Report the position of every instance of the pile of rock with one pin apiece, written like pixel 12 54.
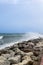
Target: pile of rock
pixel 24 53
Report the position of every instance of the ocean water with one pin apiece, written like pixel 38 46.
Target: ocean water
pixel 10 39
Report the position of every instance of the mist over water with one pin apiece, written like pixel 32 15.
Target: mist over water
pixel 10 39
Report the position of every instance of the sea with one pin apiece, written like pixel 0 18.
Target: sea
pixel 8 39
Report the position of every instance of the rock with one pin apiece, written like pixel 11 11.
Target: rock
pixel 27 61
pixel 30 43
pixel 15 46
pixel 35 58
pixel 6 55
pixel 7 48
pixel 19 52
pixel 40 44
pixel 29 54
pixel 20 45
pixel 11 52
pixel 28 58
pixel 0 53
pixel 15 60
pixel 24 53
pixel 36 40
pixel 3 61
pixel 3 51
pixel 27 47
pixel 36 50
pixel 36 63
pixel 2 58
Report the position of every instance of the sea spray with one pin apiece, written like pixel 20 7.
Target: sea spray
pixel 10 39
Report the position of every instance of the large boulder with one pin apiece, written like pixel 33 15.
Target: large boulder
pixel 27 60
pixel 15 60
pixel 27 47
pixel 19 52
pixel 4 61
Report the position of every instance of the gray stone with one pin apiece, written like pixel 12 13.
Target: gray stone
pixel 4 61
pixel 6 55
pixel 19 52
pixel 15 60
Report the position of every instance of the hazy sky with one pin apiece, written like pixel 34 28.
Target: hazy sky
pixel 21 16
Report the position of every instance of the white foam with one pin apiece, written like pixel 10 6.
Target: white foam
pixel 1 37
pixel 31 35
pixel 7 45
pixel 26 37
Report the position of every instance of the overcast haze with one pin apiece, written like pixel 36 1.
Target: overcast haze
pixel 21 16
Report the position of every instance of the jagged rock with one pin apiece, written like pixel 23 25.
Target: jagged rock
pixel 3 61
pixel 26 47
pixel 23 53
pixel 15 60
pixel 27 61
pixel 19 52
pixel 11 52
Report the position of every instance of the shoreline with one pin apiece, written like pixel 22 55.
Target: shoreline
pixel 22 53
pixel 21 41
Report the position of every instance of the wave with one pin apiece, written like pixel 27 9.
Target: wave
pixel 31 35
pixel 1 37
pixel 25 37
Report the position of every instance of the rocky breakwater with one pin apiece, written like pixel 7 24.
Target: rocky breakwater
pixel 24 53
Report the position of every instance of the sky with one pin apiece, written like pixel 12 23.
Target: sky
pixel 19 16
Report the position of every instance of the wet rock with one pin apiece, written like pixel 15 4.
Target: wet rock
pixel 36 40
